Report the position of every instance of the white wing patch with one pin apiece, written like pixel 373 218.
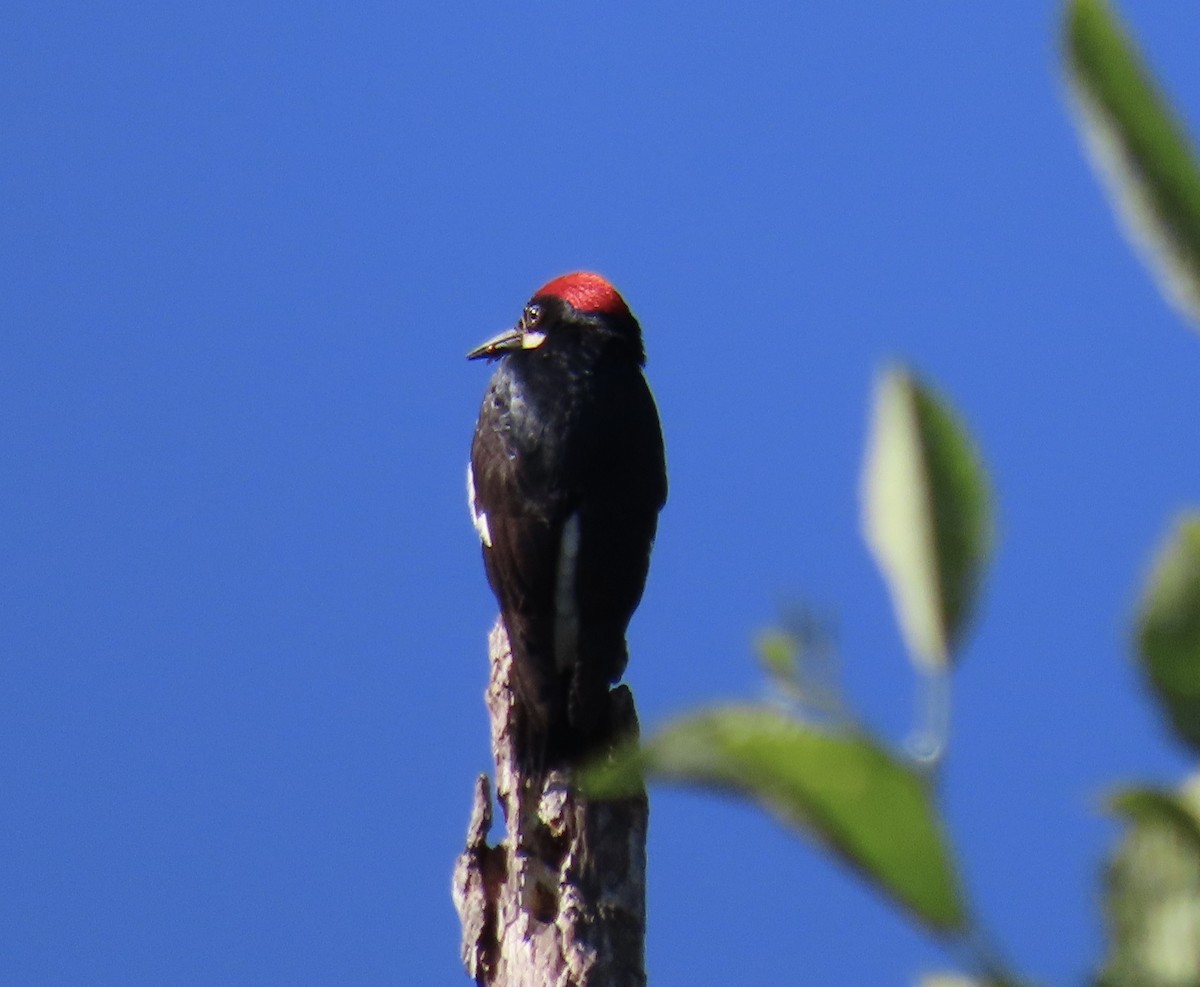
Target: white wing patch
pixel 478 517
pixel 566 610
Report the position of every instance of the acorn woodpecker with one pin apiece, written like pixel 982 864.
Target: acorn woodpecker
pixel 566 480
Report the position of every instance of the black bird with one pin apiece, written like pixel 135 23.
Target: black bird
pixel 566 480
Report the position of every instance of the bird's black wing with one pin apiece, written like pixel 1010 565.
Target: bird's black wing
pixel 520 520
pixel 618 516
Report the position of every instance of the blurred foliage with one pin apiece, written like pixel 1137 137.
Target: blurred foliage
pixel 1138 147
pixel 926 514
pixel 800 658
pixel 840 787
pixel 1168 633
pixel 1152 891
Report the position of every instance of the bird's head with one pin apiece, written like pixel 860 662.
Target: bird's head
pixel 564 309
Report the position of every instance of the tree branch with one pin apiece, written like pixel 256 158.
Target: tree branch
pixel 560 901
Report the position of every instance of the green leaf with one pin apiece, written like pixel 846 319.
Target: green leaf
pixel 841 788
pixel 1152 891
pixel 1154 805
pixel 1168 633
pixel 1138 147
pixel 801 659
pixel 926 514
pixel 779 653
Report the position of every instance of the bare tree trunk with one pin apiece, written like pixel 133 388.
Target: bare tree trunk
pixel 561 900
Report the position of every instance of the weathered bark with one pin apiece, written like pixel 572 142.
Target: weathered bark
pixel 560 901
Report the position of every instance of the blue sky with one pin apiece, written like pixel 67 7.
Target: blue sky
pixel 242 615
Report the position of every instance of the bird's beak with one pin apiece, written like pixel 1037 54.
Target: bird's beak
pixel 511 339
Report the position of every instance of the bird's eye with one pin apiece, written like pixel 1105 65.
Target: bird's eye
pixel 531 317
